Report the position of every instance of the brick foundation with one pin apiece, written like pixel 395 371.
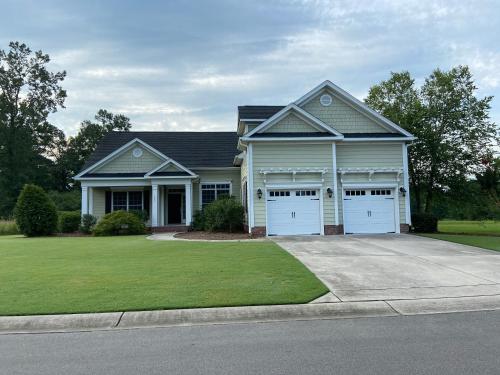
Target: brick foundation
pixel 404 228
pixel 334 229
pixel 170 229
pixel 258 231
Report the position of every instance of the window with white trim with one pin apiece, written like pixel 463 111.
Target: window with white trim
pixel 210 192
pixel 128 200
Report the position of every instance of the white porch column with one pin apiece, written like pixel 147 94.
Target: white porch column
pixel 189 203
pixel 154 205
pixel 85 200
pixel 91 200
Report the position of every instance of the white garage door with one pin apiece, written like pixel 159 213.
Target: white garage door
pixel 293 212
pixel 369 211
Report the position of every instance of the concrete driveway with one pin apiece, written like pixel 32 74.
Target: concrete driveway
pixel 397 267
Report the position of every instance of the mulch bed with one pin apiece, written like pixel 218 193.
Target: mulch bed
pixel 220 236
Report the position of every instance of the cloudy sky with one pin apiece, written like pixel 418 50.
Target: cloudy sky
pixel 187 65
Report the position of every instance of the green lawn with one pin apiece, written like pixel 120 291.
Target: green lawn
pixel 91 274
pixel 491 228
pixel 486 242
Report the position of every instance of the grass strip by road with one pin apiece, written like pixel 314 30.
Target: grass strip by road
pixel 485 228
pixel 75 275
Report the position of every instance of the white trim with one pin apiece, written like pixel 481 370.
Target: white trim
pixel 91 200
pixel 188 193
pixel 384 139
pixel 353 102
pixel 362 185
pixel 335 183
pixel 303 115
pixel 291 139
pixel 321 213
pixel 406 184
pixel 214 168
pixel 154 178
pixel 298 185
pixel 85 202
pixel 251 218
pixel 164 164
pixel 154 205
pixel 253 119
pixel 115 153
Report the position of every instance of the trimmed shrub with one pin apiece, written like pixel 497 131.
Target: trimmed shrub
pixel 69 221
pixel 424 223
pixel 224 215
pixel 88 223
pixel 199 220
pixel 141 214
pixel 8 227
pixel 119 223
pixel 35 213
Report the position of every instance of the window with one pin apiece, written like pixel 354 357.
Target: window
pixel 301 193
pixel 127 200
pixel 276 193
pixel 381 192
pixel 210 192
pixel 351 193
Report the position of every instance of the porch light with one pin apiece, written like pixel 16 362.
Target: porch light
pixel 402 190
pixel 329 191
pixel 259 193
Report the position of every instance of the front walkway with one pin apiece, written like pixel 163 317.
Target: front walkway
pixel 397 267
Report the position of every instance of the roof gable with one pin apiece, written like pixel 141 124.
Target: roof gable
pixel 170 168
pixel 349 102
pixel 291 123
pixel 297 113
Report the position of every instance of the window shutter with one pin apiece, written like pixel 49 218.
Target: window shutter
pixel 146 201
pixel 108 202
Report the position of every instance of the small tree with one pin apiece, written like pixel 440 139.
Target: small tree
pixel 35 213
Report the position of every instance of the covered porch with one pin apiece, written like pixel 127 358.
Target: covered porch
pixel 167 201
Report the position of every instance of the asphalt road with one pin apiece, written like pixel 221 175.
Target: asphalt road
pixel 462 343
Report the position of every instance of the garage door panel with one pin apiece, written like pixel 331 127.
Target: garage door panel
pixel 369 211
pixel 294 213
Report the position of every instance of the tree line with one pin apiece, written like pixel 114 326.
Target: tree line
pixel 452 160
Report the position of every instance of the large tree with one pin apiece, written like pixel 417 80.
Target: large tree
pixel 78 148
pixel 452 125
pixel 29 92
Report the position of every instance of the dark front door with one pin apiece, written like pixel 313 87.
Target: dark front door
pixel 174 209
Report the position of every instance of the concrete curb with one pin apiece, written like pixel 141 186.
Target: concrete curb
pixel 244 314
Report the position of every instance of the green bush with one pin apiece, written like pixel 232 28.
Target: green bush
pixel 88 223
pixel 224 215
pixel 424 223
pixel 141 214
pixel 69 221
pixel 35 213
pixel 119 223
pixel 199 220
pixel 67 200
pixel 8 227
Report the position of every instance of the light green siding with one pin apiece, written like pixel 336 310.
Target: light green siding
pixel 170 168
pixel 342 116
pixel 99 206
pixel 291 124
pixel 222 175
pixel 361 155
pixel 292 156
pixel 366 155
pixel 126 162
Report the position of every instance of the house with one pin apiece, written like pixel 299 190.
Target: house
pixel 324 164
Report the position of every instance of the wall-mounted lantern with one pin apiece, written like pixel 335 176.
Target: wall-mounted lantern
pixel 259 193
pixel 402 190
pixel 329 191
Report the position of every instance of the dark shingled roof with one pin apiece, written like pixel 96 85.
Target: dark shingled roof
pixel 170 174
pixel 258 111
pixel 191 149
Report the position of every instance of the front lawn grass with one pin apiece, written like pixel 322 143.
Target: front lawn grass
pixel 489 227
pixel 486 242
pixel 75 275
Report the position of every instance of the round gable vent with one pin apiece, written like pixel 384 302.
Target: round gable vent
pixel 137 152
pixel 325 100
